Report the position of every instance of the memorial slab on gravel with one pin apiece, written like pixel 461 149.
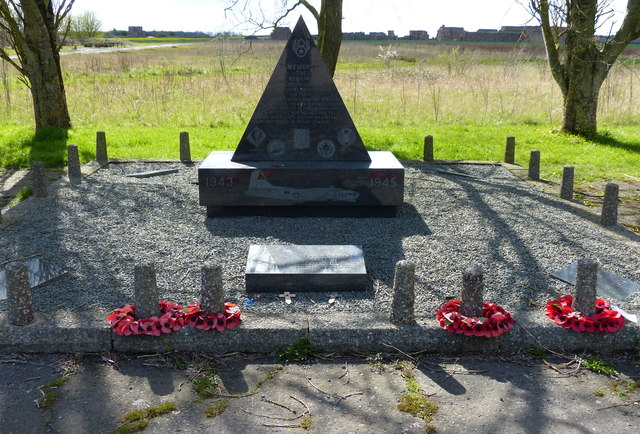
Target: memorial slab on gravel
pixel 305 268
pixel 39 270
pixel 607 284
pixel 301 153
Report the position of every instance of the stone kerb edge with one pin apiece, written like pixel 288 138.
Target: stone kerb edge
pixel 333 333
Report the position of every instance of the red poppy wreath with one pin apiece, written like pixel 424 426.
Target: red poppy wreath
pixel 494 322
pixel 228 319
pixel 604 319
pixel 124 322
pixel 173 317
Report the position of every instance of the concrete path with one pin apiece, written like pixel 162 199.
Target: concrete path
pixel 477 394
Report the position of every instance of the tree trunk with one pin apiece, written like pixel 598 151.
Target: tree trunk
pixel 584 79
pixel 584 71
pixel 330 32
pixel 41 65
pixel 581 65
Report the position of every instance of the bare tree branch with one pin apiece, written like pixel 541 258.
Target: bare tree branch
pixel 629 31
pixel 541 7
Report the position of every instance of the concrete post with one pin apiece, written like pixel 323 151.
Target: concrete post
pixel 38 179
pixel 145 291
pixel 428 149
pixel 73 165
pixel 534 165
pixel 101 149
pixel 609 216
pixel 566 189
pixel 20 301
pixel 586 279
pixel 185 148
pixel 212 292
pixel 510 150
pixel 472 292
pixel 402 308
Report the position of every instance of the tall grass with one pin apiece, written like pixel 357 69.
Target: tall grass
pixel 469 97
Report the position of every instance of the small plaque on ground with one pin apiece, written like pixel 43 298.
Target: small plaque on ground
pixel 305 268
pixel 40 271
pixel 607 284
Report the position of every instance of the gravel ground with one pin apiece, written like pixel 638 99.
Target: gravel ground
pixel 517 234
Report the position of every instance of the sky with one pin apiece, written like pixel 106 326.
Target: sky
pixel 359 15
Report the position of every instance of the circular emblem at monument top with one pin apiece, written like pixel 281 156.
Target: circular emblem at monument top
pixel 301 47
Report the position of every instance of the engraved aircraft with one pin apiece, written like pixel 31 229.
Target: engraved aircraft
pixel 260 187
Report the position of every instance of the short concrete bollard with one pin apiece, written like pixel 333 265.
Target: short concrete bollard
pixel 586 279
pixel 19 296
pixel 212 292
pixel 185 147
pixel 145 291
pixel 101 149
pixel 534 165
pixel 510 150
pixel 402 308
pixel 472 295
pixel 427 154
pixel 73 165
pixel 566 188
pixel 39 180
pixel 609 216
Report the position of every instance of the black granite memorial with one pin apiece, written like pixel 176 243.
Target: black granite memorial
pixel 301 153
pixel 299 268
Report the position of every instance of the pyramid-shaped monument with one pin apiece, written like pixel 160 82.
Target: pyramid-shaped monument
pixel 301 116
pixel 301 154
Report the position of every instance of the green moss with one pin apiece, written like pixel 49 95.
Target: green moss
pixel 538 352
pixel 207 384
pixel 132 427
pixel 598 393
pixel 305 423
pixel 418 405
pixel 299 351
pixel 375 362
pixel 134 415
pixel 48 400
pixel 138 420
pixel 217 408
pixel 599 367
pixel 160 410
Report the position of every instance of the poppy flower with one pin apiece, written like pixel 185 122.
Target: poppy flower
pixel 220 322
pixel 603 320
pixel 493 323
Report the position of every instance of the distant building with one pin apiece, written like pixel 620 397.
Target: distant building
pixel 136 32
pixel 527 33
pixel 281 33
pixel 450 34
pixel 418 35
pixel 391 34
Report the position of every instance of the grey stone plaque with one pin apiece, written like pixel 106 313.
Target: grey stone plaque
pixel 608 284
pixel 40 272
pixel 305 268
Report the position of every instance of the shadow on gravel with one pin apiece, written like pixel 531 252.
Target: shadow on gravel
pixel 320 231
pixel 507 234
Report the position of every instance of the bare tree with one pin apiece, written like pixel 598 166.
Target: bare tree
pixel 32 28
pixel 328 18
pixel 582 63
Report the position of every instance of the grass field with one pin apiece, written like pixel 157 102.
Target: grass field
pixel 468 97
